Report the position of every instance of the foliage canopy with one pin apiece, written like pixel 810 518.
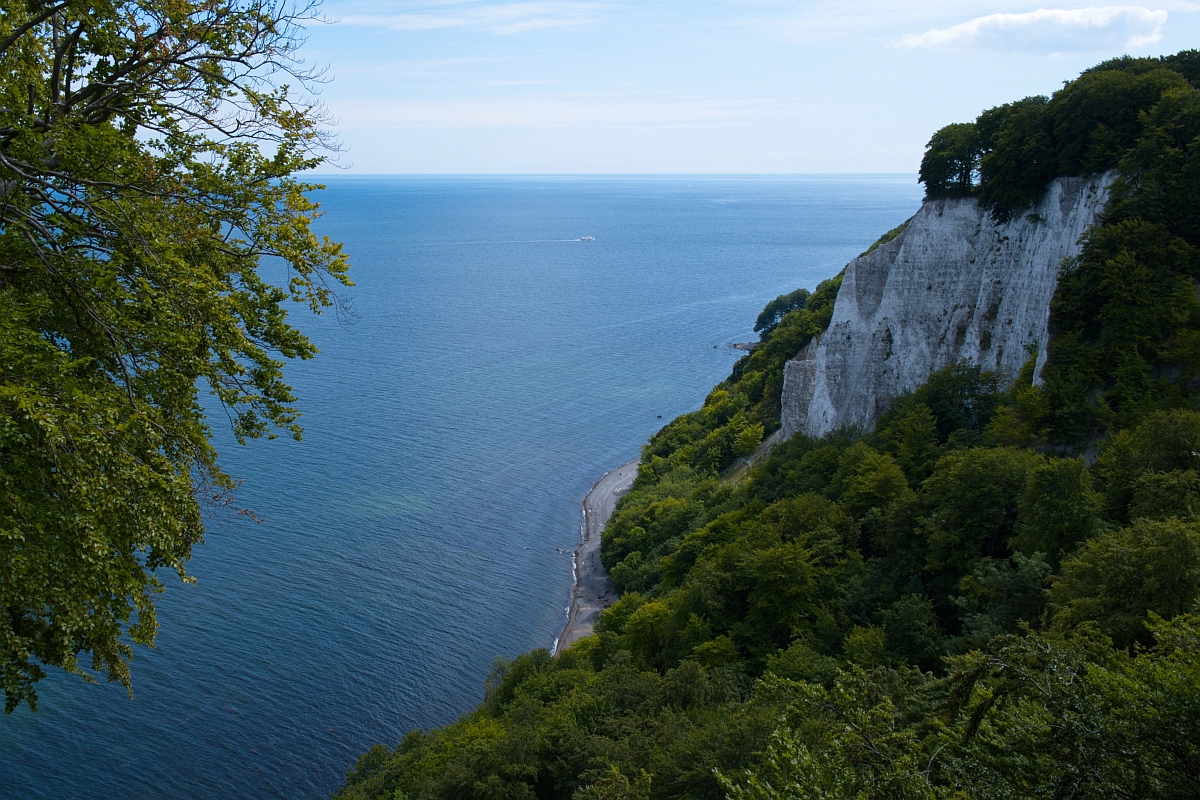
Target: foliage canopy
pixel 147 154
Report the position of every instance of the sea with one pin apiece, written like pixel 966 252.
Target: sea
pixel 508 340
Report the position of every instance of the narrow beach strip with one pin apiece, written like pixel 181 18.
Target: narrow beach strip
pixel 593 590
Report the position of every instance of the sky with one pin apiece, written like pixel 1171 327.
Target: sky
pixel 696 86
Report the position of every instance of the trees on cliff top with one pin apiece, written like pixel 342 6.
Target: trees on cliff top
pixel 1126 316
pixel 1010 152
pixel 147 154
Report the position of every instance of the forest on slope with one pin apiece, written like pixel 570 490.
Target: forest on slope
pixel 993 593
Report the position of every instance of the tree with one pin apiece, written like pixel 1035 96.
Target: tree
pixel 1121 577
pixel 777 309
pixel 950 167
pixel 1097 117
pixel 1020 160
pixel 147 154
pixel 848 741
pixel 972 496
pixel 1058 511
pixel 1001 595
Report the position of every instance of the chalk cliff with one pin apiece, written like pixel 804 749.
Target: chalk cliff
pixel 953 285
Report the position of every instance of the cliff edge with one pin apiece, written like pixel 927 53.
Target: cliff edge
pixel 954 285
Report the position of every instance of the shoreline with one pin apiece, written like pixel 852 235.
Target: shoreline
pixel 593 591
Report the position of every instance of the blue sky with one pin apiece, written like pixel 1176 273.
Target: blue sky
pixel 707 86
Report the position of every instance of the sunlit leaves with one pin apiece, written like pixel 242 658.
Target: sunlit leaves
pixel 146 160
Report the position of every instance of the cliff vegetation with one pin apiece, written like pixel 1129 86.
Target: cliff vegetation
pixel 1126 317
pixel 993 593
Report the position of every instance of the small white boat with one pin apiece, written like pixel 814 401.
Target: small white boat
pixel 587 238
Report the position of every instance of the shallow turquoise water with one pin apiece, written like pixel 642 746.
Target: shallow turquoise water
pixel 492 368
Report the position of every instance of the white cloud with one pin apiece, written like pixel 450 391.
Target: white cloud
pixel 500 18
pixel 1050 31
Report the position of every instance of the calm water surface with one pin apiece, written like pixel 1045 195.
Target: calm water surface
pixel 493 368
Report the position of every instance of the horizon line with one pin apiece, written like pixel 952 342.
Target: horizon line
pixel 608 174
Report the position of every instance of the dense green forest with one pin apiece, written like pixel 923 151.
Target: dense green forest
pixel 991 594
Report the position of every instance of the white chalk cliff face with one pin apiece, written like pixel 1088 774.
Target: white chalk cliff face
pixel 954 285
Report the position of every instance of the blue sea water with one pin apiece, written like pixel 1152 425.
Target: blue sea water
pixel 492 367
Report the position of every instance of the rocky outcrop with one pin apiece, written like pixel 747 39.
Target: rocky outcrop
pixel 954 285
